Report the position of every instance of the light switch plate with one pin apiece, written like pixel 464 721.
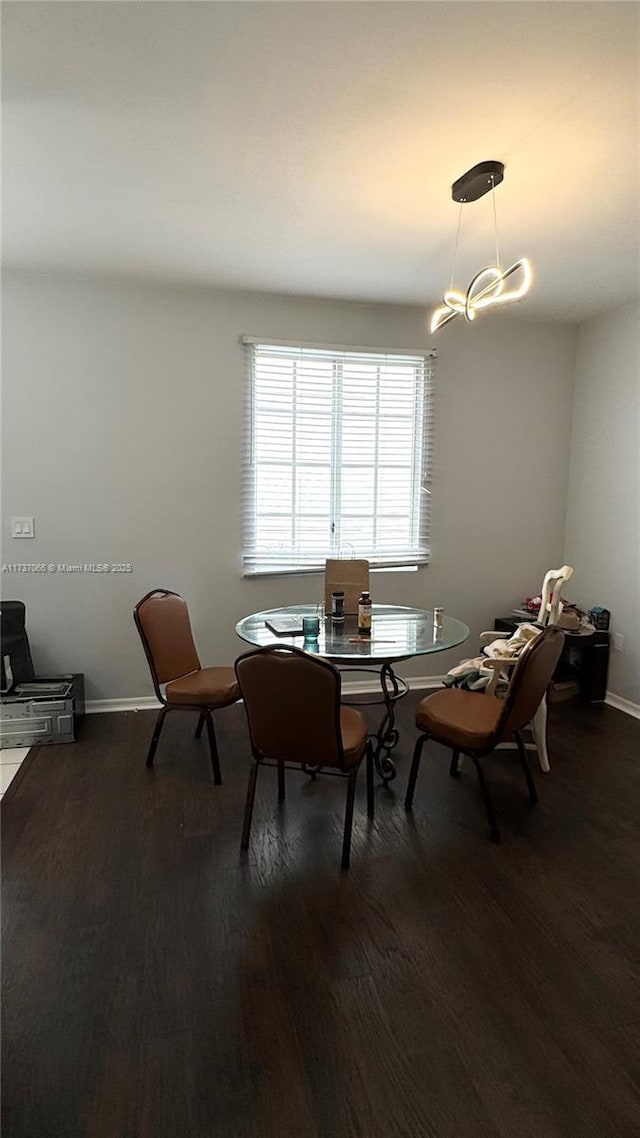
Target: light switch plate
pixel 22 527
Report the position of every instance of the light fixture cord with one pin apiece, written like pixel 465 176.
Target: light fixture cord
pixel 455 251
pixel 495 220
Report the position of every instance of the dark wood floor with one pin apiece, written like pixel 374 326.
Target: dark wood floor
pixel 157 985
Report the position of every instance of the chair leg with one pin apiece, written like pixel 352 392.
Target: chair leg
pixel 348 819
pixel 524 759
pixel 488 804
pixel 156 735
pixel 203 716
pixel 281 784
pixel 248 807
pixel 454 769
pixel 417 755
pixel 370 798
pixel 539 729
pixel 213 746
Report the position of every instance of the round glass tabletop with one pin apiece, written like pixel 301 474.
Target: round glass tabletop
pixel 397 633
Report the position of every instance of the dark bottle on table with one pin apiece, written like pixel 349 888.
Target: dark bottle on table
pixel 337 609
pixel 364 614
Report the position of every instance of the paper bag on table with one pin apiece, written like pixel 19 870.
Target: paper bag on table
pixel 349 574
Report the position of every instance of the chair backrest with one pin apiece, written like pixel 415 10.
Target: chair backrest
pixel 350 574
pixel 552 585
pixel 292 701
pixel 531 678
pixel 162 619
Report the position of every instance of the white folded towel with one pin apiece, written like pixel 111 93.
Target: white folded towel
pixel 474 674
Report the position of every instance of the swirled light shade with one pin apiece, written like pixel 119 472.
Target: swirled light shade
pixel 486 288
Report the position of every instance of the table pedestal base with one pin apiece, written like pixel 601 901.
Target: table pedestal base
pixel 385 739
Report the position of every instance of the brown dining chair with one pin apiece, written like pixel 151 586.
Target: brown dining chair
pixel 162 619
pixel 292 701
pixel 473 724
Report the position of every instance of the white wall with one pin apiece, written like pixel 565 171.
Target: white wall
pixel 603 505
pixel 122 433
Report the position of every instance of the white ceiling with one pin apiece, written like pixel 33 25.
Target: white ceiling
pixel 310 147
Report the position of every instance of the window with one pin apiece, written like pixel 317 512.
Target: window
pixel 337 459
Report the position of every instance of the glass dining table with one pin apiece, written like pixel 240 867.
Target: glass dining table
pixel 397 633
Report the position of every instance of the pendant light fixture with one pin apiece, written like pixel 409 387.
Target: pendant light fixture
pixel 488 286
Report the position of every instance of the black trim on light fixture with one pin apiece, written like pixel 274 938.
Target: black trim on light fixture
pixel 477 181
pixel 488 285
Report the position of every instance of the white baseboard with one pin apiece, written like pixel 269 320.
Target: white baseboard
pixel 416 683
pixel 150 703
pixel 142 703
pixel 622 704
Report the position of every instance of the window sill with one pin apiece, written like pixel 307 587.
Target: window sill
pixel 413 568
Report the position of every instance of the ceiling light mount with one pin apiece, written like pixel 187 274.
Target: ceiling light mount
pixel 477 181
pixel 488 285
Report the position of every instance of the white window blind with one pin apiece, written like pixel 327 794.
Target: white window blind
pixel 337 457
